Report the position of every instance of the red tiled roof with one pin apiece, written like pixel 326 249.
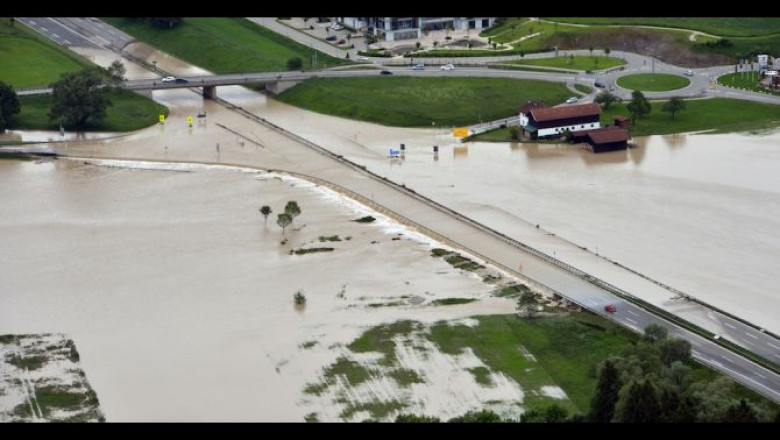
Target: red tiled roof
pixel 608 135
pixel 565 112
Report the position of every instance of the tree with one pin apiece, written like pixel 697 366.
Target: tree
pixel 607 51
pixel 165 22
pixel 602 407
pixel 484 416
pixel 11 20
pixel 740 413
pixel 655 333
pixel 674 105
pixel 283 220
pixel 675 350
pixel 638 107
pixel 528 302
pixel 292 209
pixel 266 211
pixel 117 72
pixel 413 418
pixel 591 50
pixel 299 298
pixel 417 45
pixel 514 133
pixel 606 99
pixel 294 63
pixel 435 43
pixel 9 105
pixel 638 404
pixel 80 97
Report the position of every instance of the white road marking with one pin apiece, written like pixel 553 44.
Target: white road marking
pixel 592 302
pixel 633 313
pixel 631 320
pixel 760 375
pixel 728 325
pixel 751 335
pixel 55 35
pixel 773 345
pixel 44 29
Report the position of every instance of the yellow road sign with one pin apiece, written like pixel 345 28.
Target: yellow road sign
pixel 189 120
pixel 460 132
pixel 162 119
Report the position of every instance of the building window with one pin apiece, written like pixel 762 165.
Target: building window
pixel 472 24
pixel 485 23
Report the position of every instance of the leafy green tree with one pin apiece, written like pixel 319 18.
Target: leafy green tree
pixel 299 298
pixel 283 220
pixel 484 416
pixel 607 51
pixel 514 133
pixel 606 99
pixel 740 412
pixel 655 333
pixel 591 50
pixel 638 404
pixel 602 407
pixel 294 63
pixel 9 105
pixel 528 302
pixel 292 209
pixel 165 22
pixel 674 105
pixel 80 98
pixel 266 211
pixel 413 418
pixel 675 350
pixel 638 107
pixel 116 72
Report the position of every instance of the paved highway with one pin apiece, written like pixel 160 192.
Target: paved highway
pixel 541 270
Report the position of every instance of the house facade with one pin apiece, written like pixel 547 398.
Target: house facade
pixel 541 122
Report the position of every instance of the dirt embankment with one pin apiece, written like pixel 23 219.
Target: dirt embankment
pixel 664 46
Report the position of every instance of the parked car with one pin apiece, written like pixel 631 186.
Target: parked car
pixel 385 72
pixel 168 79
pixel 336 26
pixel 181 81
pixel 610 308
pixel 331 38
pixel 342 41
pixel 447 67
pixel 362 58
pixel 572 100
pixel 688 73
pixel 599 84
pixel 418 67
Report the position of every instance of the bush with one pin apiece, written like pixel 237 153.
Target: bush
pixel 295 63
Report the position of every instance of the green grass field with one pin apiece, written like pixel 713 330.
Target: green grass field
pixel 129 111
pixel 718 114
pixel 647 82
pixel 417 102
pixel 576 63
pixel 721 26
pixel 29 60
pixel 224 45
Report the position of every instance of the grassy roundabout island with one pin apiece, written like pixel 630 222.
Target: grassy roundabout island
pixel 419 102
pixel 648 82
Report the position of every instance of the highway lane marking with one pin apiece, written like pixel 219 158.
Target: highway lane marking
pixel 760 375
pixel 633 313
pixel 773 345
pixel 631 320
pixel 44 29
pixel 592 302
pixel 751 335
pixel 745 377
pixel 728 325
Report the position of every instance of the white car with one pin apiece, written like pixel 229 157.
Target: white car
pixel 571 100
pixel 688 73
pixel 362 58
pixel 336 27
pixel 168 79
pixel 447 67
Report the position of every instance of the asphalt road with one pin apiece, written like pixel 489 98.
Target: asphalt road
pixel 541 271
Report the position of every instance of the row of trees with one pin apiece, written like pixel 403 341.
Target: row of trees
pixel 639 107
pixel 284 219
pixel 79 98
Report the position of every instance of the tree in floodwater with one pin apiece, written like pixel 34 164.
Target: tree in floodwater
pixel 283 220
pixel 292 209
pixel 266 211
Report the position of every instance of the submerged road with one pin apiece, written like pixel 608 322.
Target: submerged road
pixel 286 151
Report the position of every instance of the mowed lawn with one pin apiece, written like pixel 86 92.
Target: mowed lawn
pixel 129 111
pixel 719 114
pixel 647 82
pixel 576 63
pixel 721 26
pixel 27 60
pixel 225 44
pixel 421 102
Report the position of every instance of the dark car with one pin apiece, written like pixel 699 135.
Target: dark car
pixel 610 308
pixel 180 81
pixel 385 72
pixel 331 38
pixel 599 85
pixel 342 41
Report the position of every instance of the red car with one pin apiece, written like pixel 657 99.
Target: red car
pixel 610 308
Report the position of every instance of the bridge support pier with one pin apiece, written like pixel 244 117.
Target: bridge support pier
pixel 276 87
pixel 210 92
